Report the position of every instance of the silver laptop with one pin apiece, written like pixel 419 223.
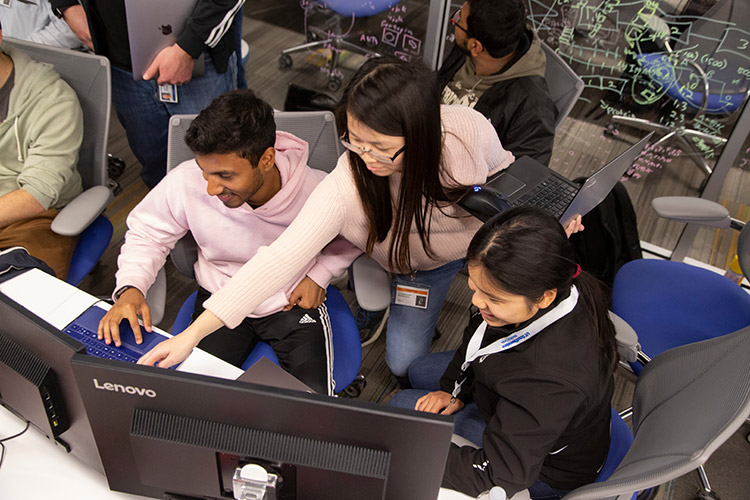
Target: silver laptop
pixel 529 183
pixel 154 25
pixel 266 372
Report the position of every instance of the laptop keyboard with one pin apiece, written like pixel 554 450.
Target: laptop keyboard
pixel 99 348
pixel 552 194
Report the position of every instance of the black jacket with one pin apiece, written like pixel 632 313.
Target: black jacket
pixel 207 29
pixel 545 394
pixel 519 108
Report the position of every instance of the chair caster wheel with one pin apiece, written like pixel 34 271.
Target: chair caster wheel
pixel 115 166
pixel 333 84
pixel 285 61
pixel 612 130
pixel 707 495
pixel 354 389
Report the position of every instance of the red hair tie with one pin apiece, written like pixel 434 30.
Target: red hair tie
pixel 578 271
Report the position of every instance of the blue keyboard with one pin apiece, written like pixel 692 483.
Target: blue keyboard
pixel 99 348
pixel 84 328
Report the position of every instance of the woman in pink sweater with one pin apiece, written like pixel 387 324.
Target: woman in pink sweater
pixel 393 195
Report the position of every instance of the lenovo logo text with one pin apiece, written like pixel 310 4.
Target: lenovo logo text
pixel 127 389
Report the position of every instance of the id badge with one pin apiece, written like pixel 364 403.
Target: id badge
pixel 412 295
pixel 168 93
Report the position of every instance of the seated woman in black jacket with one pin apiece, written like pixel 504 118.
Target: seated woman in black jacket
pixel 532 380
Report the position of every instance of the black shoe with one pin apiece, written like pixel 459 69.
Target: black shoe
pixel 370 324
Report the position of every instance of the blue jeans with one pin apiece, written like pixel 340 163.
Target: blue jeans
pixel 410 329
pixel 146 119
pixel 424 376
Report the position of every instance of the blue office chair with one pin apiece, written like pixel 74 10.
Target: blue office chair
pixel 89 76
pixel 670 304
pixel 346 346
pixel 620 440
pixel 333 35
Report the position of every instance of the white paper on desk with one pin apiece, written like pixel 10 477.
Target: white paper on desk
pixel 54 300
pixel 203 363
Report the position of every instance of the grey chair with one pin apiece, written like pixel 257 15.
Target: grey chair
pixel 89 76
pixel 687 402
pixel 564 85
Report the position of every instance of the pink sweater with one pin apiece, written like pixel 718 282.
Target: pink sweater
pixel 227 237
pixel 471 151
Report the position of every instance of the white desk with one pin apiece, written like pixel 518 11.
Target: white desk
pixel 36 468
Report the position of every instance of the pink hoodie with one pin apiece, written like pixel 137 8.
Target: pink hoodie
pixel 226 237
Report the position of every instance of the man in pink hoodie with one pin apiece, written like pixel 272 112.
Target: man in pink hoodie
pixel 246 185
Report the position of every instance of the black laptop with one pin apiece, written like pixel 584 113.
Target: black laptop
pixel 527 182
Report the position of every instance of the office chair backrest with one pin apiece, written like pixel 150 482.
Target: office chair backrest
pixel 317 128
pixel 565 86
pixel 89 76
pixel 687 402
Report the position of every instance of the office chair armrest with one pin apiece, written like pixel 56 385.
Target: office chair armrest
pixel 156 297
pixel 185 254
pixel 627 339
pixel 81 212
pixel 692 210
pixel 372 286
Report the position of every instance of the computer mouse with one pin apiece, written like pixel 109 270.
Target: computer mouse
pixel 484 202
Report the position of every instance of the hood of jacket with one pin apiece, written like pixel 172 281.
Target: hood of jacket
pixel 32 80
pixel 37 88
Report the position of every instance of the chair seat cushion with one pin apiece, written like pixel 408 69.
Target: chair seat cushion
pixel 671 304
pixel 676 81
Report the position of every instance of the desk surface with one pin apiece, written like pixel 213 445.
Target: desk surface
pixel 35 467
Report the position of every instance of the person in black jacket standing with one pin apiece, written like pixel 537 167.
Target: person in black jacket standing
pixel 497 67
pixel 144 106
pixel 532 381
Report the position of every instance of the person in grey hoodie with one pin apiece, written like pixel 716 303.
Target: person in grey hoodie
pixel 497 67
pixel 41 130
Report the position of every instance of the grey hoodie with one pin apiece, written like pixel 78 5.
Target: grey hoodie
pixel 41 136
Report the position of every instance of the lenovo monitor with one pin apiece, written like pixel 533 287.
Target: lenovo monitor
pixel 167 434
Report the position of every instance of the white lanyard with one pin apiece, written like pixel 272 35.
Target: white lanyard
pixel 473 351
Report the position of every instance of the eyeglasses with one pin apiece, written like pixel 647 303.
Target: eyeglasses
pixel 360 151
pixel 455 19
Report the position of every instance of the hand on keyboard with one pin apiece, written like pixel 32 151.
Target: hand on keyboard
pixel 129 305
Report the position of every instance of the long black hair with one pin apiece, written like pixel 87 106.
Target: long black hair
pixel 399 99
pixel 526 252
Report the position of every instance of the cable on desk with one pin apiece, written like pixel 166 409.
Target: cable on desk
pixel 3 440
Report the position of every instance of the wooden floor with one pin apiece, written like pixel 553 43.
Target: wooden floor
pixel 580 148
